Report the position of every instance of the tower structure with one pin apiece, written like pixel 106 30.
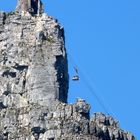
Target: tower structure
pixel 31 6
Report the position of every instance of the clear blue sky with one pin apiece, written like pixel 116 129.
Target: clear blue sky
pixel 103 39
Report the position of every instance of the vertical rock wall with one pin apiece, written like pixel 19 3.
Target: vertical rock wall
pixel 33 62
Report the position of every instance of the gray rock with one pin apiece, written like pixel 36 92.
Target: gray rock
pixel 34 85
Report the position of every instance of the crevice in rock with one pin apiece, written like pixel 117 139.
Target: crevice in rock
pixel 86 115
pixel 36 131
pixel 50 139
pixel 5 58
pixel 4 18
pixel 5 136
pixel 6 92
pixel 20 67
pixel 61 78
pixel 8 73
pixel 2 106
pixel 24 83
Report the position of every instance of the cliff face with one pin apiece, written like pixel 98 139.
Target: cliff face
pixel 34 86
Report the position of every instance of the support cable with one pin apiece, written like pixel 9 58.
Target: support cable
pixel 90 88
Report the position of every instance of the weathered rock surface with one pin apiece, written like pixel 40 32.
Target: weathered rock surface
pixel 34 86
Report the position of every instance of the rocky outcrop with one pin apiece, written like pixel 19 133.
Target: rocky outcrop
pixel 34 85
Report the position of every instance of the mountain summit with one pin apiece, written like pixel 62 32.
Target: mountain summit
pixel 34 83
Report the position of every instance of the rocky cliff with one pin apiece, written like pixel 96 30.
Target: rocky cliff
pixel 34 85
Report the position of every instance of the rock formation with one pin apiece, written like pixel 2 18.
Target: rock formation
pixel 32 6
pixel 34 84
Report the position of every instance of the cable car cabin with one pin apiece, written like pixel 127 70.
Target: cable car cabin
pixel 75 78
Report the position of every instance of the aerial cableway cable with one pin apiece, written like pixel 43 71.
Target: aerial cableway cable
pixel 90 87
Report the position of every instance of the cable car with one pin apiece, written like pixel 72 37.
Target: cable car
pixel 75 77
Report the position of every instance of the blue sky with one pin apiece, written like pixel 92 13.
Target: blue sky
pixel 103 40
